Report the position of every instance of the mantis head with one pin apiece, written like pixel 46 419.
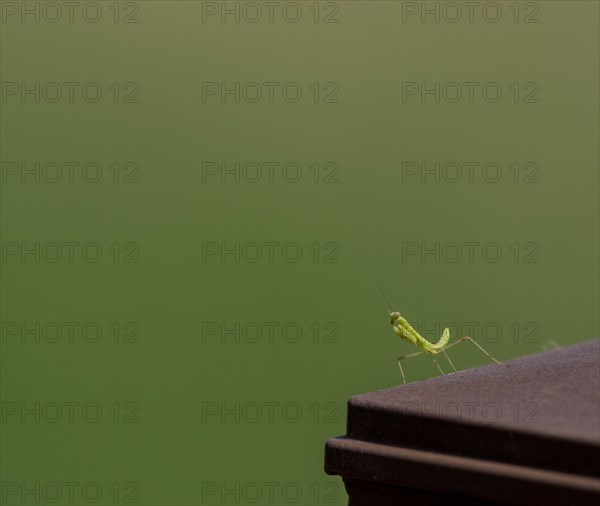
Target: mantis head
pixel 394 316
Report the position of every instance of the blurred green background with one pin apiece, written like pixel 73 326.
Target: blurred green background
pixel 180 396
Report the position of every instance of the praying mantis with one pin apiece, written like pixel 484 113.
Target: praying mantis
pixel 406 332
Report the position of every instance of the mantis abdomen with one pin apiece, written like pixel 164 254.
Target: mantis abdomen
pixel 407 332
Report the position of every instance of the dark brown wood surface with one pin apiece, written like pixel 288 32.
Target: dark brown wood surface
pixel 521 434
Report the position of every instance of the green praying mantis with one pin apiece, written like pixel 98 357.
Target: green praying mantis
pixel 407 332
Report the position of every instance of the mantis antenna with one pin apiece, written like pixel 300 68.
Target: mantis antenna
pixel 372 299
pixel 385 297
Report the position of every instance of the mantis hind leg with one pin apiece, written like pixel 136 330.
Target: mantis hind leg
pixel 443 350
pixel 467 338
pixel 448 359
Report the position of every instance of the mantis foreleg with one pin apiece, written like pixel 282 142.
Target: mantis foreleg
pixel 416 355
pixel 438 366
pixel 407 356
